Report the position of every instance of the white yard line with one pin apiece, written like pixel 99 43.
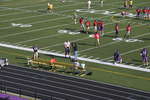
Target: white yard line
pixel 80 58
pixel 35 30
pixel 28 11
pixel 43 21
pixel 28 5
pixel 48 36
pixel 34 16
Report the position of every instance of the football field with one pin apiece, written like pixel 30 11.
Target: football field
pixel 26 23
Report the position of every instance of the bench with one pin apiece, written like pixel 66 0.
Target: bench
pixel 58 65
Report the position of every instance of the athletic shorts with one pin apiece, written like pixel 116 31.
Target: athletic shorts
pixel 100 28
pixel 67 50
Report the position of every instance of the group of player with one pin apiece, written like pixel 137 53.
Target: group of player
pixel 143 13
pixel 98 27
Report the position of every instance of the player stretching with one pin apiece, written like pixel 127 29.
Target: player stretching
pixel 89 4
pixel 67 46
pixel 82 27
pixel 128 33
pixel 144 55
pixel 87 23
pixel 116 30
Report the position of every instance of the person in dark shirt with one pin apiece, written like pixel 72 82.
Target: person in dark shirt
pixel 75 50
pixel 144 55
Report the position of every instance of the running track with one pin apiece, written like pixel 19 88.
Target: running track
pixel 52 86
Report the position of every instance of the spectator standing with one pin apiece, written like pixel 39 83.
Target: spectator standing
pixel 35 54
pixel 75 50
pixel 67 46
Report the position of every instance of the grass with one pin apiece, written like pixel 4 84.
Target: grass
pixel 44 34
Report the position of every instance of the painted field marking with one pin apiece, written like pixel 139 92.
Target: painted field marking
pixel 37 22
pixel 35 30
pixel 28 11
pixel 40 37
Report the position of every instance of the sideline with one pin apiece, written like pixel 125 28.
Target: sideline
pixel 80 58
pixel 103 70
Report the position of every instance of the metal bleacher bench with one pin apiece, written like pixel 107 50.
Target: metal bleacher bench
pixel 48 63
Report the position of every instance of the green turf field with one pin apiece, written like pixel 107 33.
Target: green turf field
pixel 44 33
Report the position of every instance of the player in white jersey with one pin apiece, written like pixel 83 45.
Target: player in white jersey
pixel 89 4
pixel 35 54
pixel 67 46
pixel 101 2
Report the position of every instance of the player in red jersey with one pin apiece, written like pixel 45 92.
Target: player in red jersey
pixel 87 23
pixel 95 26
pixel 82 27
pixel 138 13
pixel 128 33
pixel 116 30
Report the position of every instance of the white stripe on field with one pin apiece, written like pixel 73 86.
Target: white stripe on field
pixel 45 28
pixel 28 11
pixel 80 58
pixel 37 22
